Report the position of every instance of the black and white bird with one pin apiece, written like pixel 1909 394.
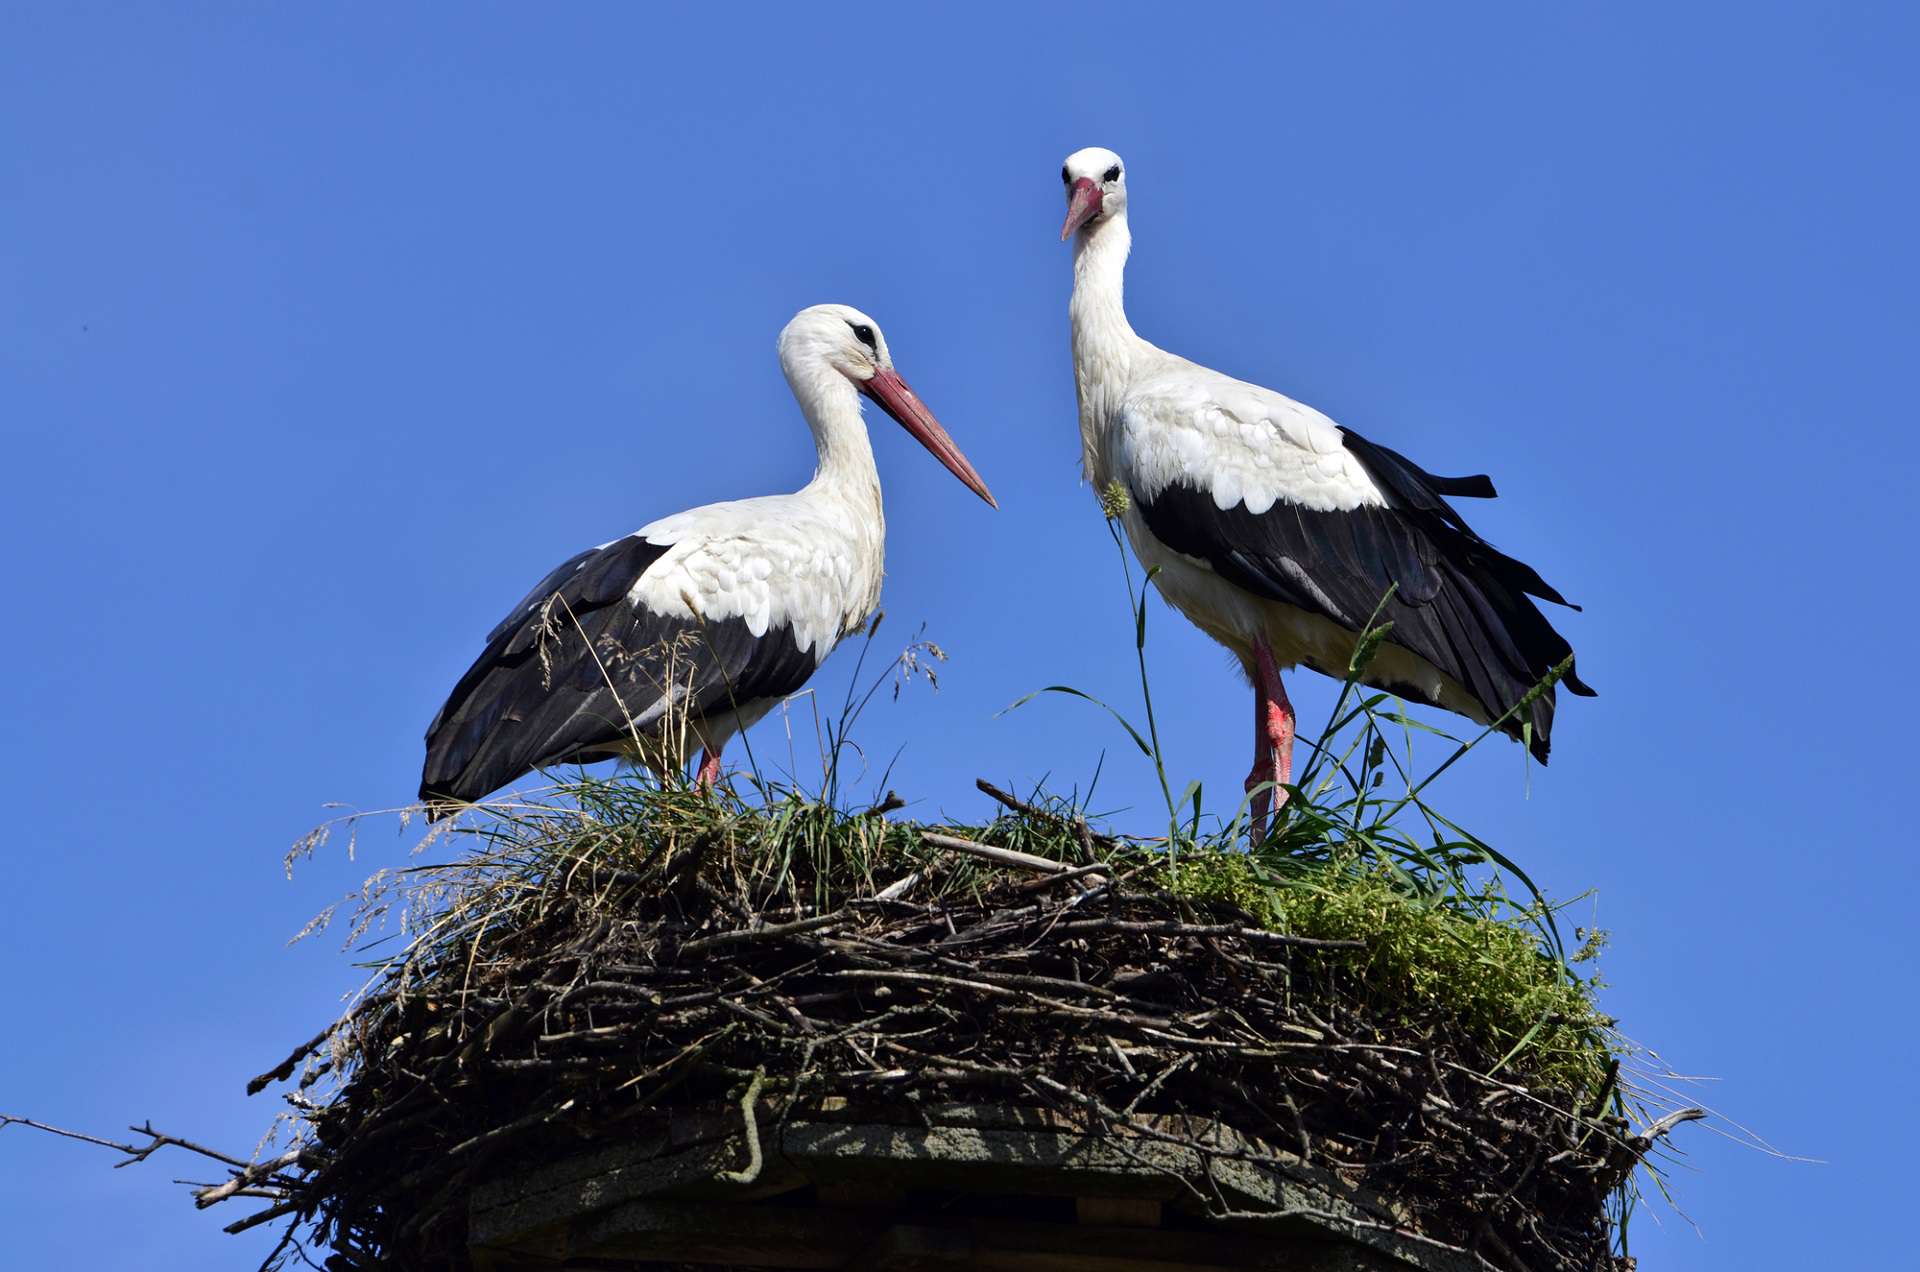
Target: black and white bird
pixel 1278 532
pixel 694 626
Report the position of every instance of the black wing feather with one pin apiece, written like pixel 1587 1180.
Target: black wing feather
pixel 1413 483
pixel 576 668
pixel 1410 486
pixel 1460 604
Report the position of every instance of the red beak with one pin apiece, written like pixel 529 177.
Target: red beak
pixel 896 399
pixel 1082 206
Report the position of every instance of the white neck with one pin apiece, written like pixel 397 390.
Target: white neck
pixel 832 407
pixel 1099 281
pixel 1104 343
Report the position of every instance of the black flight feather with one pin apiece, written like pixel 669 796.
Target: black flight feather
pixel 575 669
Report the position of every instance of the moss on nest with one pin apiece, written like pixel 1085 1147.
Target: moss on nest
pixel 1420 957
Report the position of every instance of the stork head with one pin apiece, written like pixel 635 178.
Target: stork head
pixel 842 341
pixel 1096 184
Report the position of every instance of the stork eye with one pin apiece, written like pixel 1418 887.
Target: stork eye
pixel 864 334
pixel 1113 173
pixel 1066 178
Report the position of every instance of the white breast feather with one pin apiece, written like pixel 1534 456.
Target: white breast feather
pixel 1237 441
pixel 769 562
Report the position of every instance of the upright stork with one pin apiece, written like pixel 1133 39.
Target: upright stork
pixel 695 625
pixel 1278 532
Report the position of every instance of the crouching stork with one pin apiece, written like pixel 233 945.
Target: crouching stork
pixel 694 626
pixel 1278 532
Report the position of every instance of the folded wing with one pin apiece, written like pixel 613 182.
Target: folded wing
pixel 1319 518
pixel 585 663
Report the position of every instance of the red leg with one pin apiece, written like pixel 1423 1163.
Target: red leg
pixel 1279 721
pixel 709 770
pixel 1262 771
pixel 1272 736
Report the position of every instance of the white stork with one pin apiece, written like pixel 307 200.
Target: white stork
pixel 702 621
pixel 1278 532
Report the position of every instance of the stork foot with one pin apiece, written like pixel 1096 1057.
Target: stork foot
pixel 709 770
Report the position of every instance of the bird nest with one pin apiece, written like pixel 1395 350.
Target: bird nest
pixel 633 949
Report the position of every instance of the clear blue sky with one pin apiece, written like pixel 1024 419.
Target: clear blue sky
pixel 323 335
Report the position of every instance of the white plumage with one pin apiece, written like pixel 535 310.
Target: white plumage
pixel 1277 531
pixel 1245 444
pixel 698 623
pixel 810 560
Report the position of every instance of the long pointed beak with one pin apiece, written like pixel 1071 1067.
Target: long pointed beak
pixel 1082 206
pixel 896 399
